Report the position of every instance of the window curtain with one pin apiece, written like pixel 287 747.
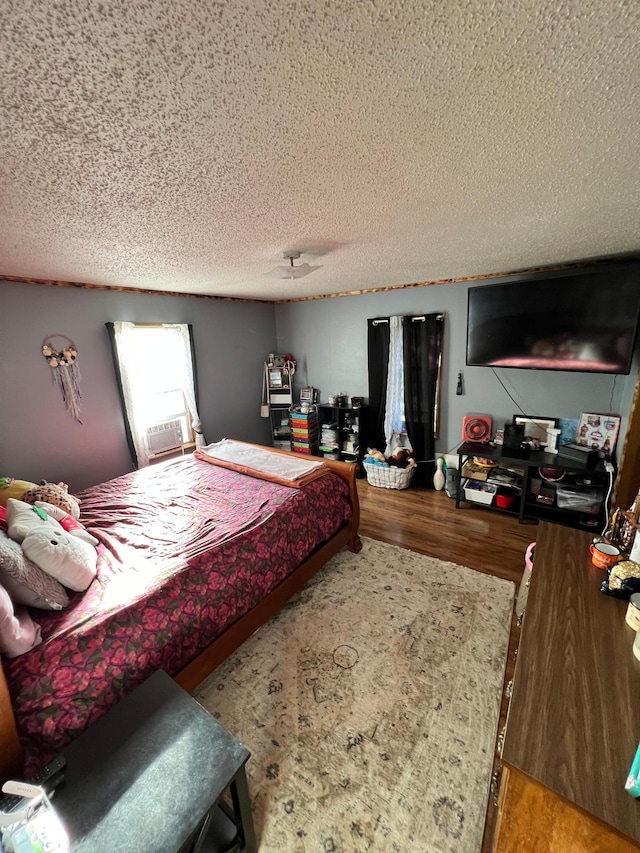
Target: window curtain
pixel 393 420
pixel 116 366
pixel 378 335
pixel 422 353
pixel 184 334
pixel 121 335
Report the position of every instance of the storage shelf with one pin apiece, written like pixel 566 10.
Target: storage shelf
pixel 525 506
pixel 569 517
pixel 509 511
pixel 563 509
pixel 344 421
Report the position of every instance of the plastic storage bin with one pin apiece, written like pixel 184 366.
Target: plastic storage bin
pixel 504 499
pixel 578 498
pixel 478 492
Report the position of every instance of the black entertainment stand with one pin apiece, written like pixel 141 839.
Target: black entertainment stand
pixel 526 506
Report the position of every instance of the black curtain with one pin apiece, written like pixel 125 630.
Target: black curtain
pixel 422 348
pixel 195 382
pixel 378 355
pixel 193 364
pixel 116 365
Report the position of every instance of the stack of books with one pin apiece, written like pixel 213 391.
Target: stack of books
pixel 330 441
pixel 304 431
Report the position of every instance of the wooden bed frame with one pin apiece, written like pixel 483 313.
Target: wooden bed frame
pixel 11 757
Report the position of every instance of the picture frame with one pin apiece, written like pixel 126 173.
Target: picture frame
pixel 536 427
pixel 598 432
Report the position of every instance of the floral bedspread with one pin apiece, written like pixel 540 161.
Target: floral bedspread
pixel 186 549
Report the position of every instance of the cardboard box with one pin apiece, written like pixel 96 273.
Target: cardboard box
pixel 472 471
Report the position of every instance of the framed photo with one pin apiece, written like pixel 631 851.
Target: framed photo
pixel 599 432
pixel 536 427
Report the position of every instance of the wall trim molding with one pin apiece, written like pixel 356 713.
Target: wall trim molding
pixel 48 282
pixel 466 278
pixel 83 285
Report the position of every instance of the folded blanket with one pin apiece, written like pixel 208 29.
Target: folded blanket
pixel 261 462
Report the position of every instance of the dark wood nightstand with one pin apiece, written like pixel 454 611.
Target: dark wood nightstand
pixel 149 777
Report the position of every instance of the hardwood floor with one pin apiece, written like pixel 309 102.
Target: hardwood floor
pixel 427 521
pixel 487 540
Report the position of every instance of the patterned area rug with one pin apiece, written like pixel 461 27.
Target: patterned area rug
pixel 370 705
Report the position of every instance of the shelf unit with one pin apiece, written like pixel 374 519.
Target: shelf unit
pixel 578 480
pixel 280 427
pixel 304 429
pixel 341 431
pixel 279 384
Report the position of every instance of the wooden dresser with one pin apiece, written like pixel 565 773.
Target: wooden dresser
pixel 574 719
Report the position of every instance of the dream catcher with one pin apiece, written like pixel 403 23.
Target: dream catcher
pixel 63 361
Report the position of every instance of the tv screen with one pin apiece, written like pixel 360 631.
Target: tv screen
pixel 584 321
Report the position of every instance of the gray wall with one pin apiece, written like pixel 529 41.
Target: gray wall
pixel 40 440
pixel 329 339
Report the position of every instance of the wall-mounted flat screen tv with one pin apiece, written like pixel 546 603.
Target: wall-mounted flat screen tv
pixel 585 321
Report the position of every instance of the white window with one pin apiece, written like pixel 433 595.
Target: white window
pixel 394 421
pixel 157 379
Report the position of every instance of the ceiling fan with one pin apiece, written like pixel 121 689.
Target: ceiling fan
pixel 291 270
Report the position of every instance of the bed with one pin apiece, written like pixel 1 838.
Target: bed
pixel 193 558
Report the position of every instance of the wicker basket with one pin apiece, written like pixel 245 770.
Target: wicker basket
pixel 391 477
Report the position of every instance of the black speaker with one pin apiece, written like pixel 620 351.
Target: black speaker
pixel 513 438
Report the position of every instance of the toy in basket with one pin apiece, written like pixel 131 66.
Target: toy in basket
pixel 380 473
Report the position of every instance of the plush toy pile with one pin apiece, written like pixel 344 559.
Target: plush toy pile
pixel 44 551
pixel 400 458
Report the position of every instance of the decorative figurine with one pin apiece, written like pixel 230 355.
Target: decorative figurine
pixel 438 477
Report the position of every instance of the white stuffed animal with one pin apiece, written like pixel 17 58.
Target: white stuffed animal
pixel 71 561
pixel 23 517
pixel 67 522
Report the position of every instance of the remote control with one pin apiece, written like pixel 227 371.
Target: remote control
pixel 48 778
pixel 53 770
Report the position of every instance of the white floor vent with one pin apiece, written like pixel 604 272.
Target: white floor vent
pixel 164 436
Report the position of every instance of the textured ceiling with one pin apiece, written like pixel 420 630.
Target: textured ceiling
pixel 185 144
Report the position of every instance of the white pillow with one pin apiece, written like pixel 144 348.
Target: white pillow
pixel 23 517
pixel 69 560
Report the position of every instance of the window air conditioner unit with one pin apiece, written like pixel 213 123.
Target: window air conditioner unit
pixel 165 436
